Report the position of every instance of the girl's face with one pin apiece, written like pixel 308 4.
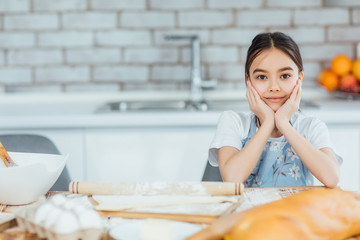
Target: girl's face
pixel 274 75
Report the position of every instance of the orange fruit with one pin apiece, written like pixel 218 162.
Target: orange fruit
pixel 349 84
pixel 356 69
pixel 328 80
pixel 341 65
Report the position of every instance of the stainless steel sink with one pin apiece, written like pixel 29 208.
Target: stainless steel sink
pixel 180 105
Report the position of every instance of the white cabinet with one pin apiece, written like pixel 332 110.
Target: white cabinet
pixel 147 153
pixel 347 145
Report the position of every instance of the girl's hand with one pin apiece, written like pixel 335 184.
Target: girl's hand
pixel 259 107
pixel 284 113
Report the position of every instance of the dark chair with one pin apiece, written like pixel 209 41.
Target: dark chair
pixel 31 143
pixel 211 174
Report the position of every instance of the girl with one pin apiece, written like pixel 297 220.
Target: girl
pixel 275 145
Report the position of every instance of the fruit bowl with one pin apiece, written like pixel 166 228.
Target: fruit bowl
pixel 35 174
pixel 343 77
pixel 346 95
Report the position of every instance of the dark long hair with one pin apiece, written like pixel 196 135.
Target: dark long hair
pixel 277 40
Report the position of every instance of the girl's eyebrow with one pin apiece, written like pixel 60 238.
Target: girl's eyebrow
pixel 259 70
pixel 280 70
pixel 285 69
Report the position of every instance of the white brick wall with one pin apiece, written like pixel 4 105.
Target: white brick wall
pixel 11 76
pixel 17 40
pixel 34 57
pixel 62 74
pixel 121 73
pixel 56 5
pixel 118 5
pixel 10 6
pixel 266 17
pixel 123 38
pixel 151 55
pixel 91 20
pixel 205 18
pixel 119 45
pixel 31 22
pixel 66 39
pixel 93 55
pixel 147 19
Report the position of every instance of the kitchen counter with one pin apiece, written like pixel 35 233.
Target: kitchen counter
pixel 78 127
pixel 43 111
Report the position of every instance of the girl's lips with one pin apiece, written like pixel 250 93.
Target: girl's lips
pixel 274 99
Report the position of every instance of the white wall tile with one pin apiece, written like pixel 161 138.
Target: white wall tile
pixel 344 34
pixel 342 3
pixel 123 38
pixel 89 20
pixel 7 6
pixel 171 73
pixel 34 57
pixel 39 21
pixel 227 71
pixel 298 4
pixel 321 16
pixel 236 36
pixel 307 34
pixel 17 39
pixel 121 73
pixel 93 55
pixel 93 87
pixel 147 19
pixel 62 74
pixel 56 5
pixel 66 39
pixel 264 17
pixel 322 52
pixel 151 55
pixel 176 5
pixel 15 75
pixel 229 4
pixel 214 54
pixel 205 18
pixel 117 5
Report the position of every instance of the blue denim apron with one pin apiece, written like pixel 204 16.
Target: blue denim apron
pixel 278 165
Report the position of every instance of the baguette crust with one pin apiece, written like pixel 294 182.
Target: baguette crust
pixel 330 214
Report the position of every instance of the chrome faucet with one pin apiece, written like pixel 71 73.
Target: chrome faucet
pixel 197 83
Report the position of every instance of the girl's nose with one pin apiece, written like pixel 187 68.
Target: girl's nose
pixel 274 86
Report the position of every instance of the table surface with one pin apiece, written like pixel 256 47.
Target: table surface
pixel 252 197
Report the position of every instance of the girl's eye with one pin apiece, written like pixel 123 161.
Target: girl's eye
pixel 285 76
pixel 261 77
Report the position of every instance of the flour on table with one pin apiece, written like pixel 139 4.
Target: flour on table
pixel 168 203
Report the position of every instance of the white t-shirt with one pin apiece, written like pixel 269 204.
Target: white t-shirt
pixel 234 127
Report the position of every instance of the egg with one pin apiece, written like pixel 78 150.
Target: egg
pixel 58 199
pixel 42 212
pixel 90 219
pixel 52 217
pixel 66 223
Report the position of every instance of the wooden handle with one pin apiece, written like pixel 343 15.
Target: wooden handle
pixel 157 188
pixel 191 218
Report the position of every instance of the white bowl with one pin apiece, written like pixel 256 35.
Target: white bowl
pixel 35 174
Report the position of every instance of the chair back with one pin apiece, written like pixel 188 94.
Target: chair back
pixel 211 174
pixel 32 143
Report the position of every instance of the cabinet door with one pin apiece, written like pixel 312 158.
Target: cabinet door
pixel 346 144
pixel 147 154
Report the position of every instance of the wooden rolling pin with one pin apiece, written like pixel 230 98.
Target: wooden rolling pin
pixel 157 188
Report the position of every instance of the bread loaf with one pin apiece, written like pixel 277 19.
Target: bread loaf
pixel 311 214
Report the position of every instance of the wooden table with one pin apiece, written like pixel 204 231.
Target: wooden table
pixel 252 197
